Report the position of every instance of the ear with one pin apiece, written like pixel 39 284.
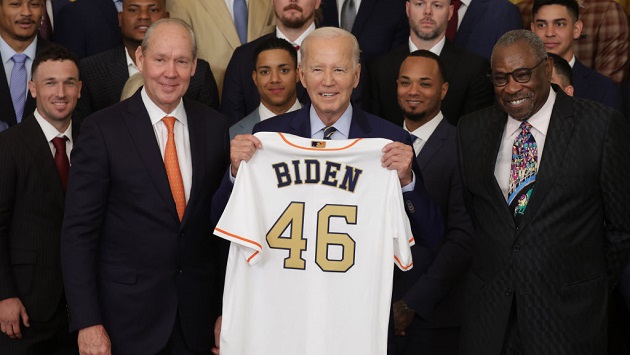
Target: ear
pixel 32 89
pixel 119 19
pixel 194 67
pixel 577 29
pixel 444 90
pixel 569 90
pixel 301 74
pixel 357 75
pixel 254 77
pixel 451 10
pixel 139 58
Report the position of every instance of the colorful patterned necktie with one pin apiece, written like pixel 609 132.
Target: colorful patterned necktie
pixel 17 84
pixel 328 132
pixel 61 159
pixel 171 162
pixel 522 171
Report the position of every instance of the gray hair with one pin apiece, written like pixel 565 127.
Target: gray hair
pixel 532 39
pixel 176 21
pixel 330 33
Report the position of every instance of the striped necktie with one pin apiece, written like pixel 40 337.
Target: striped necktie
pixel 328 132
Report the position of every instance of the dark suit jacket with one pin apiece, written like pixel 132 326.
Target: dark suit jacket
pixel 380 25
pixel 88 27
pixel 128 262
pixel 558 266
pixel 31 213
pixel 435 289
pixel 484 23
pixel 104 75
pixel 592 85
pixel 7 113
pixel 469 89
pixel 240 95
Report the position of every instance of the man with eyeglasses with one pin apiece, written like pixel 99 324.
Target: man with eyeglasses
pixel 552 228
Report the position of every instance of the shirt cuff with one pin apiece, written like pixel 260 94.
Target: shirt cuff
pixel 407 188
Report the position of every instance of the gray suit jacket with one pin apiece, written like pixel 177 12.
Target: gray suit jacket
pixel 245 125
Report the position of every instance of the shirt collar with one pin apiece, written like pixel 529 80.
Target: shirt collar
pixel 466 2
pixel 156 114
pixel 539 120
pixel 437 49
pixel 298 41
pixel 426 130
pixel 342 125
pixel 7 52
pixel 571 62
pixel 131 66
pixel 266 113
pixel 49 130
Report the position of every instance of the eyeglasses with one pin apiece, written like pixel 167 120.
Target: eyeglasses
pixel 520 75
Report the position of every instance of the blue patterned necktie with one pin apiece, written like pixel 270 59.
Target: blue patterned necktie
pixel 240 19
pixel 17 84
pixel 522 171
pixel 328 132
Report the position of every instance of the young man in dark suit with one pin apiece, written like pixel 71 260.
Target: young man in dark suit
pixel 428 298
pixel 143 273
pixel 552 233
pixel 33 175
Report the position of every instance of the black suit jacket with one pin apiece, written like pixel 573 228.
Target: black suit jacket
pixel 31 213
pixel 7 113
pixel 88 27
pixel 435 289
pixel 128 262
pixel 380 25
pixel 104 75
pixel 468 87
pixel 592 85
pixel 240 94
pixel 557 267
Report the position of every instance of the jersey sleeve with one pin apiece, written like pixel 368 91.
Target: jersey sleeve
pixel 239 223
pixel 399 224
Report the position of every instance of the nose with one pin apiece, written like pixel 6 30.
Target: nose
pixel 144 14
pixel 170 70
pixel 275 76
pixel 414 89
pixel 549 31
pixel 328 78
pixel 427 9
pixel 25 9
pixel 61 90
pixel 512 86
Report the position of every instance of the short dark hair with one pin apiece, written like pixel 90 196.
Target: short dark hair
pixel 275 43
pixel 562 67
pixel 430 55
pixel 571 5
pixel 54 52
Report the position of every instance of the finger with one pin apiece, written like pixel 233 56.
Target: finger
pixel 15 331
pixel 25 319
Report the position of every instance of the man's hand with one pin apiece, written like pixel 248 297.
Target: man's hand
pixel 399 156
pixel 11 310
pixel 94 341
pixel 242 147
pixel 217 335
pixel 403 316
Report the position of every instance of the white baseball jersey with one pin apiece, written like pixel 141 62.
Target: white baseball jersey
pixel 316 227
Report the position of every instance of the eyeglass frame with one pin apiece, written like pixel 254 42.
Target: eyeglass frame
pixel 528 71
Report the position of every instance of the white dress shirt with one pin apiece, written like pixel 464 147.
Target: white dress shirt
pixel 131 66
pixel 540 124
pixel 51 132
pixel 265 113
pixel 298 41
pixel 423 132
pixel 180 131
pixel 437 49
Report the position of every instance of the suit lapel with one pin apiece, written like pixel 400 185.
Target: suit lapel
pixel 473 14
pixel 558 136
pixel 36 143
pixel 196 134
pixel 433 145
pixel 139 125
pixel 301 123
pixel 220 14
pixel 5 98
pixel 491 144
pixel 362 16
pixel 256 25
pixel 118 71
pixel 359 126
pixel 331 15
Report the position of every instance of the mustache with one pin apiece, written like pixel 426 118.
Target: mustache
pixel 292 7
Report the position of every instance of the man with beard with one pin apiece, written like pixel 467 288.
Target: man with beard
pixel 545 180
pixel 428 298
pixel 468 91
pixel 19 22
pixel 104 75
pixel 295 19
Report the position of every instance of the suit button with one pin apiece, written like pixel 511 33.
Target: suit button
pixel 181 235
pixel 516 248
pixel 410 207
pixel 179 271
pixel 508 292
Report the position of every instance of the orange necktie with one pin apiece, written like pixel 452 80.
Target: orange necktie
pixel 172 168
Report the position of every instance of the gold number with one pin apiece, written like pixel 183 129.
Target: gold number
pixel 295 243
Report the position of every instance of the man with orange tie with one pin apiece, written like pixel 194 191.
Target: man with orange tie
pixel 142 271
pixel 34 168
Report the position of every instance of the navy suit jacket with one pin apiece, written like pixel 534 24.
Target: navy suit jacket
pixel 127 260
pixel 484 23
pixel 240 94
pixel 592 85
pixel 88 27
pixel 104 75
pixel 7 113
pixel 469 89
pixel 380 25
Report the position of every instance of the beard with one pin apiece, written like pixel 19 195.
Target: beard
pixel 293 22
pixel 415 116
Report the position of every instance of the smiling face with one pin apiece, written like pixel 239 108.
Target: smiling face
pixel 20 19
pixel 521 100
pixel 275 77
pixel 329 74
pixel 167 64
pixel 56 87
pixel 138 15
pixel 557 29
pixel 428 19
pixel 420 90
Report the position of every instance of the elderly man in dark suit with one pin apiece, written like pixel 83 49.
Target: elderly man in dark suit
pixel 18 46
pixel 469 89
pixel 428 298
pixel 552 233
pixel 33 175
pixel 140 265
pixel 104 74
